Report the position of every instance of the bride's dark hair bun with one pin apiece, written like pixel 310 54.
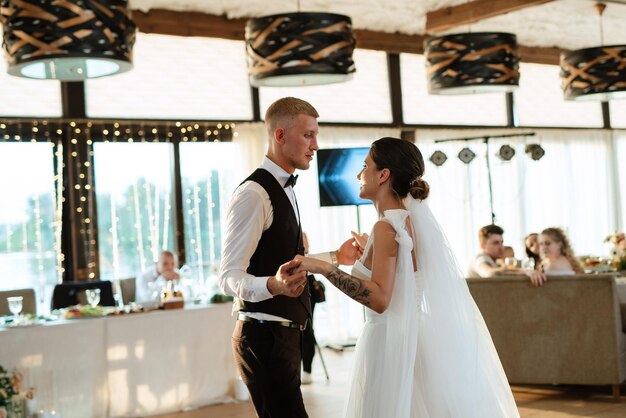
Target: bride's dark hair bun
pixel 419 189
pixel 406 164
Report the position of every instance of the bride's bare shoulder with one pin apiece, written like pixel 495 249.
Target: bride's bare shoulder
pixel 383 231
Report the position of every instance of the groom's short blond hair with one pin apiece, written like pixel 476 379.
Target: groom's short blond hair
pixel 283 111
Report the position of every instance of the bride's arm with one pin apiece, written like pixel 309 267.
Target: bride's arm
pixel 374 294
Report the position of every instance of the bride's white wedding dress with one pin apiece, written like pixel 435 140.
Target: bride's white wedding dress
pixel 429 355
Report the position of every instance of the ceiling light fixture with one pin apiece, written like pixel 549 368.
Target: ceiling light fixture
pixel 438 158
pixel 506 152
pixel 299 49
pixel 466 155
pixel 597 73
pixel 67 40
pixel 535 151
pixel 472 63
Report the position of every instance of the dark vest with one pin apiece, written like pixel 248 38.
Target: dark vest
pixel 279 244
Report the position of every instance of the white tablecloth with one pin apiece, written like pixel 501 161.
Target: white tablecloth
pixel 126 366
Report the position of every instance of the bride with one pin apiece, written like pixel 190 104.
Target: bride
pixel 424 350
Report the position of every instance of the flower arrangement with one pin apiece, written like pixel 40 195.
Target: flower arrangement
pixel 10 383
pixel 618 252
pixel 11 401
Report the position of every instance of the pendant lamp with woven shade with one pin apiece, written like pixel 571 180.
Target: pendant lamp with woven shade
pixel 67 39
pixel 299 49
pixel 466 63
pixel 597 73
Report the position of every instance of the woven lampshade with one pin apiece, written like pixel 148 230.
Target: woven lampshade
pixel 67 39
pixel 298 49
pixel 594 73
pixel 472 63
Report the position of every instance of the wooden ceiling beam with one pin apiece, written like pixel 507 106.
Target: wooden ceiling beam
pixel 169 22
pixel 450 17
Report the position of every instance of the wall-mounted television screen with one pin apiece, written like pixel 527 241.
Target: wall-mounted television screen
pixel 337 170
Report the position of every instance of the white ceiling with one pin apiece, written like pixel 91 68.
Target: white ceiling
pixel 568 24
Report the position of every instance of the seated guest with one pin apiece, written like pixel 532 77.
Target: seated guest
pixel 484 264
pixel 557 255
pixel 531 242
pixel 150 282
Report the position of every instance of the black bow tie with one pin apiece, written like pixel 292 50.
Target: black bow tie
pixel 291 181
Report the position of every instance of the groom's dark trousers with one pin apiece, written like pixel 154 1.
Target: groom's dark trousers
pixel 268 358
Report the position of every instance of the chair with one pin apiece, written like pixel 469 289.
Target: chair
pixel 128 290
pixel 72 293
pixel 29 304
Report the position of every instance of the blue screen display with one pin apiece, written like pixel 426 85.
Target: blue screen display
pixel 337 169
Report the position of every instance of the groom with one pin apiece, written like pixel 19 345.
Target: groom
pixel 263 235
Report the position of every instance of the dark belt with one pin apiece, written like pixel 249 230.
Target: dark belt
pixel 286 324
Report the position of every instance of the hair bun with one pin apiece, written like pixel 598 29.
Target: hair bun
pixel 419 189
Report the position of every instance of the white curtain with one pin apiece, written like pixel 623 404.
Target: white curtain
pixel 572 187
pixel 251 138
pixel 618 154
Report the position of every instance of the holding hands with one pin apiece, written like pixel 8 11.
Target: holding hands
pixel 313 265
pixel 290 280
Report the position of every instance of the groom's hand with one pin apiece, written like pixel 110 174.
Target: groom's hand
pixel 288 280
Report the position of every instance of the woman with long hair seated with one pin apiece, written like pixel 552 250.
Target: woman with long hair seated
pixel 557 255
pixel 531 244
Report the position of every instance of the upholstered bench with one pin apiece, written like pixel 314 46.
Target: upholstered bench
pixel 569 331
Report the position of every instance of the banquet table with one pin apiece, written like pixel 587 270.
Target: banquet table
pixel 127 365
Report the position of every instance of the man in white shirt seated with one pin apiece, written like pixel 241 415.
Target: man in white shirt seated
pixel 150 282
pixel 491 244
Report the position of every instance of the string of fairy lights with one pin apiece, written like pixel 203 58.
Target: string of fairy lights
pixel 74 139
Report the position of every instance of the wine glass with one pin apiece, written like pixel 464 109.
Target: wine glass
pixel 528 263
pixel 15 305
pixel 510 263
pixel 93 297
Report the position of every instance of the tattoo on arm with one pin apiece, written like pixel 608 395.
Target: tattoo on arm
pixel 351 286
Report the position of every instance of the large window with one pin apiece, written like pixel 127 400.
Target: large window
pixel 210 174
pixel 28 237
pixel 176 77
pixel 134 195
pixel 27 97
pixel 422 108
pixel 539 100
pixel 365 98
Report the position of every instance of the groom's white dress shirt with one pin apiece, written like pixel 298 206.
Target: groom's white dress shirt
pixel 249 214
